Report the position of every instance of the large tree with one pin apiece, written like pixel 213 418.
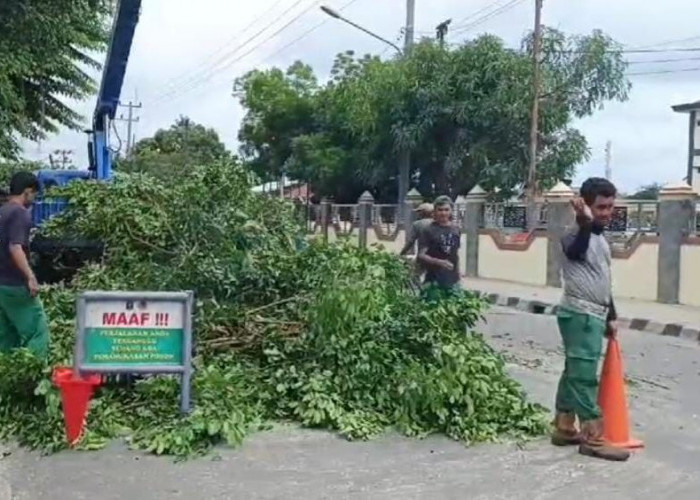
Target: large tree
pixel 171 150
pixel 464 113
pixel 280 108
pixel 46 53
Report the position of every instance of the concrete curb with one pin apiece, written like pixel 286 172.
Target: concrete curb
pixel 536 306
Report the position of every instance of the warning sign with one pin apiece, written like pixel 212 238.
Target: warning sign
pixel 144 332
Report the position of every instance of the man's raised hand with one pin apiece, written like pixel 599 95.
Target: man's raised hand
pixel 581 209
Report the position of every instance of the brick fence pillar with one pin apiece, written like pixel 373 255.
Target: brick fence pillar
pixel 475 201
pixel 364 205
pixel 560 217
pixel 676 215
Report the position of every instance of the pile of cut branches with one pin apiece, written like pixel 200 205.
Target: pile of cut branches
pixel 328 336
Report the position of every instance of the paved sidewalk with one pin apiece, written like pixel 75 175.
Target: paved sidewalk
pixel 664 319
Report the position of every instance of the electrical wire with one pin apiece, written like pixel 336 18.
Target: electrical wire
pixel 662 61
pixel 664 72
pixel 305 33
pixel 220 84
pixel 210 59
pixel 669 42
pixel 658 51
pixel 487 17
pixel 198 79
pixel 463 22
pixel 116 133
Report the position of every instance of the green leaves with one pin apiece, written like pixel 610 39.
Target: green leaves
pixel 330 337
pixel 464 113
pixel 171 151
pixel 44 55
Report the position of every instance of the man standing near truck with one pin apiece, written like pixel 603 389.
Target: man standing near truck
pixel 23 322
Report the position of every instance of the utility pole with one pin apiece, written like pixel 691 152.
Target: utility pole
pixel 532 217
pixel 405 154
pixel 130 119
pixel 608 160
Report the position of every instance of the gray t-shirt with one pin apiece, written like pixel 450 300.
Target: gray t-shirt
pixel 587 271
pixel 15 226
pixel 418 227
pixel 441 242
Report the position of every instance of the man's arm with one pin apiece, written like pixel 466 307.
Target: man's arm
pixel 611 328
pixel 16 237
pixel 575 245
pixel 411 240
pixel 19 258
pixel 612 312
pixel 432 261
pixel 423 256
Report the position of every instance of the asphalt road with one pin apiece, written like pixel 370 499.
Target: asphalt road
pixel 290 463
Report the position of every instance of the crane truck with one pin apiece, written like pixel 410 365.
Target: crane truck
pixel 57 260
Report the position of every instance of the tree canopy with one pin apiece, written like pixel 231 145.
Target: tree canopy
pixel 463 112
pixel 171 150
pixel 45 56
pixel 648 192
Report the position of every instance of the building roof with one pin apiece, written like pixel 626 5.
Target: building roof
pixel 686 108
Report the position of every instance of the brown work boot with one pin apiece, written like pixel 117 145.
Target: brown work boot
pixel 565 432
pixel 594 445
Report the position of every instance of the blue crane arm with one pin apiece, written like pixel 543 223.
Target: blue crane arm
pixel 123 28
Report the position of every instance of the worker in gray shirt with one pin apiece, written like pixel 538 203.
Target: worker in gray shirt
pixel 425 218
pixel 585 316
pixel 424 214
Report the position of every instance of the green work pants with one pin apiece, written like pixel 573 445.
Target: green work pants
pixel 22 321
pixel 432 292
pixel 582 335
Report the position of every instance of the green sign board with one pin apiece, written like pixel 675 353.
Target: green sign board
pixel 136 332
pixel 121 347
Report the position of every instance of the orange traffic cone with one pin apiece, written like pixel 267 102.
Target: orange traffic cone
pixel 612 399
pixel 75 396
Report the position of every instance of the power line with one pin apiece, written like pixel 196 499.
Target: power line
pixel 203 65
pixel 471 16
pixel 305 33
pixel 487 17
pixel 669 42
pixel 196 80
pixel 656 51
pixel 660 61
pixel 273 54
pixel 130 119
pixel 664 72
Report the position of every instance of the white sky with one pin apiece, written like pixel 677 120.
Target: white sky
pixel 186 54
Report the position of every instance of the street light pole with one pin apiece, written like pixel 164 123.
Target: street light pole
pixel 335 14
pixel 532 217
pixel 405 153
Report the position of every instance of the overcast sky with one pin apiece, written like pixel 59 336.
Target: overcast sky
pixel 186 54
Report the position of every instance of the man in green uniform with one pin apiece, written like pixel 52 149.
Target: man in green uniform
pixel 22 318
pixel 586 314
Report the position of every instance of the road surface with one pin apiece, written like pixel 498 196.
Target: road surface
pixel 290 463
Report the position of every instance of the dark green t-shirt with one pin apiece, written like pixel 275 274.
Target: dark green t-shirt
pixel 441 242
